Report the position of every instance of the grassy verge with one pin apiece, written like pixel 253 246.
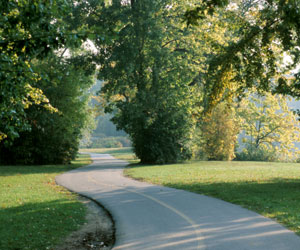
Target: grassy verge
pixel 125 154
pixel 35 213
pixel 271 189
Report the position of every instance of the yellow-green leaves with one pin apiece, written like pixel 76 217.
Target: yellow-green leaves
pixel 29 30
pixel 270 125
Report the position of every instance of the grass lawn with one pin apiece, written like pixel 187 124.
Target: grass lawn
pixel 125 154
pixel 35 213
pixel 271 189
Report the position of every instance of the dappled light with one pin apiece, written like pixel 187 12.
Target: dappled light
pixel 193 95
pixel 35 213
pixel 156 217
pixel 271 189
pixel 37 220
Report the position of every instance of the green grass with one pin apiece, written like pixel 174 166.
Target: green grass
pixel 125 154
pixel 271 189
pixel 35 213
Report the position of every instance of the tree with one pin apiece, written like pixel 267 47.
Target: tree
pixel 147 68
pixel 219 130
pixel 54 136
pixel 269 126
pixel 29 29
pixel 269 30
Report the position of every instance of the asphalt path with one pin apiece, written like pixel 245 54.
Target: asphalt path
pixel 149 217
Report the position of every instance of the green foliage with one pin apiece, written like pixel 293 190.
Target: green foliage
pixel 54 136
pixel 204 8
pixel 219 130
pixel 147 72
pixel 106 127
pixel 28 30
pixel 270 129
pixel 251 153
pixel 266 32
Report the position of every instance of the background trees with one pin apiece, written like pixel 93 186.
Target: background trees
pixel 165 83
pixel 253 53
pixel 219 132
pixel 268 31
pixel 149 53
pixel 270 129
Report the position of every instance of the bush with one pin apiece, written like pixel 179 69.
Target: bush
pixel 256 154
pixel 159 134
pixel 217 134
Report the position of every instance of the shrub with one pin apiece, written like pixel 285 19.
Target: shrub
pixel 256 154
pixel 219 131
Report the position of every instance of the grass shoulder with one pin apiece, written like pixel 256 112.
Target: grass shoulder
pixel 271 189
pixel 35 213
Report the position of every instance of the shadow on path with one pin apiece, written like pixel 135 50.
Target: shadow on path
pixel 154 217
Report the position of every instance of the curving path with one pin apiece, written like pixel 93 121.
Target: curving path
pixel 149 217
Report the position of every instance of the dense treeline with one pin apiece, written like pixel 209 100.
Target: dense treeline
pixel 54 136
pixel 44 83
pixel 178 77
pixel 176 89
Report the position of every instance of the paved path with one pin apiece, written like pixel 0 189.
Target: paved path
pixel 149 217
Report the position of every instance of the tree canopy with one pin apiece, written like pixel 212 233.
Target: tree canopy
pixel 42 92
pixel 29 29
pixel 268 31
pixel 147 73
pixel 173 71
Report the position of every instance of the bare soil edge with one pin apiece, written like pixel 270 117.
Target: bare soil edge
pixel 97 233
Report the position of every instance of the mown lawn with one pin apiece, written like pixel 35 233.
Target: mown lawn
pixel 125 154
pixel 35 213
pixel 271 189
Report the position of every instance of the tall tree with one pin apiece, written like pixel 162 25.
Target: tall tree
pixel 219 130
pixel 29 29
pixel 148 68
pixel 54 136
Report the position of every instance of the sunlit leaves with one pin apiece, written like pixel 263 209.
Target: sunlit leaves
pixel 148 66
pixel 219 130
pixel 269 125
pixel 267 30
pixel 55 132
pixel 28 30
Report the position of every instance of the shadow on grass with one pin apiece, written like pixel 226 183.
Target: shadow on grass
pixel 278 198
pixel 38 225
pixel 38 169
pixel 6 170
